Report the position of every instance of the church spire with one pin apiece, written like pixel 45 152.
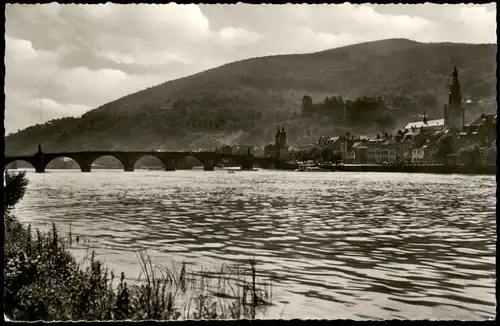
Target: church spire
pixel 455 95
pixel 454 112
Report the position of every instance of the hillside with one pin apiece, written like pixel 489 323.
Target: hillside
pixel 242 102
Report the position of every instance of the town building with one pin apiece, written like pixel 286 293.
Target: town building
pixel 346 151
pixel 258 150
pixel 482 129
pixel 488 157
pixel 374 149
pixel 388 151
pixel 404 152
pixel 332 142
pixel 419 154
pixel 360 152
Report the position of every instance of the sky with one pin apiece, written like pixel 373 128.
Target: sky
pixel 64 60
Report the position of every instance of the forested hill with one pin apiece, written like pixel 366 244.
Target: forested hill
pixel 242 102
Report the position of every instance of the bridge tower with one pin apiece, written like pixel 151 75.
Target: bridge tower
pixel 39 160
pixel 209 165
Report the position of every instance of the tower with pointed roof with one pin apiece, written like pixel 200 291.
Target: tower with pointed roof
pixel 283 139
pixel 280 146
pixel 454 114
pixel 277 138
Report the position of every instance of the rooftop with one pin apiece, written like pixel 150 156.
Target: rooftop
pixel 412 133
pixel 359 144
pixel 438 132
pixel 480 120
pixel 430 123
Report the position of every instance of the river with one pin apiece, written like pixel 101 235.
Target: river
pixel 341 245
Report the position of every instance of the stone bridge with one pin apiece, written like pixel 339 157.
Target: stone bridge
pixel 40 160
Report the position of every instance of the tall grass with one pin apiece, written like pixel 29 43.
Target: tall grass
pixel 43 281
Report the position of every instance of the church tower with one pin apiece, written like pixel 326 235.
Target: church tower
pixel 280 146
pixel 277 143
pixel 283 139
pixel 277 138
pixel 454 112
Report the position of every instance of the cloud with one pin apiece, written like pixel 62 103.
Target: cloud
pixel 78 57
pixel 237 36
pixel 39 110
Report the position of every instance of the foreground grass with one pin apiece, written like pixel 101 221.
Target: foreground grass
pixel 43 281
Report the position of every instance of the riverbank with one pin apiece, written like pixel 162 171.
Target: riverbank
pixel 435 169
pixel 43 281
pixel 408 168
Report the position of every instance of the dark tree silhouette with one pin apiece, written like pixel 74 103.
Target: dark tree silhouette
pixel 15 188
pixel 444 147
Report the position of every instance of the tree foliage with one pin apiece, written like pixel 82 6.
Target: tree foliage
pixel 16 184
pixel 444 146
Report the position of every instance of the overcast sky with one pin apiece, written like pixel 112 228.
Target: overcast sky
pixel 63 60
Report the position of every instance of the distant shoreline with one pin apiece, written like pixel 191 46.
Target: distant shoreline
pixel 432 169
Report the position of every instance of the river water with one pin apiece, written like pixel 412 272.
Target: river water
pixel 341 245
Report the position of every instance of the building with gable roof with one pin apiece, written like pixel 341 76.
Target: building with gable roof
pixel 429 126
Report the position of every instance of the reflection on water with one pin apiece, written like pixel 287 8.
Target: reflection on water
pixel 340 245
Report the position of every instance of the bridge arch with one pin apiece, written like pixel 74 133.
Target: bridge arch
pixel 211 160
pixel 150 161
pixel 192 160
pixel 14 165
pixel 59 162
pixel 109 161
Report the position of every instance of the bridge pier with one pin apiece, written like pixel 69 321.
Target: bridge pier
pixel 169 164
pixel 128 165
pixel 85 165
pixel 247 164
pixel 209 165
pixel 39 161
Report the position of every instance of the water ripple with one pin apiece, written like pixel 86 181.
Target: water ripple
pixel 340 245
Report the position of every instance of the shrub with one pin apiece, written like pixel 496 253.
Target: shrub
pixel 15 187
